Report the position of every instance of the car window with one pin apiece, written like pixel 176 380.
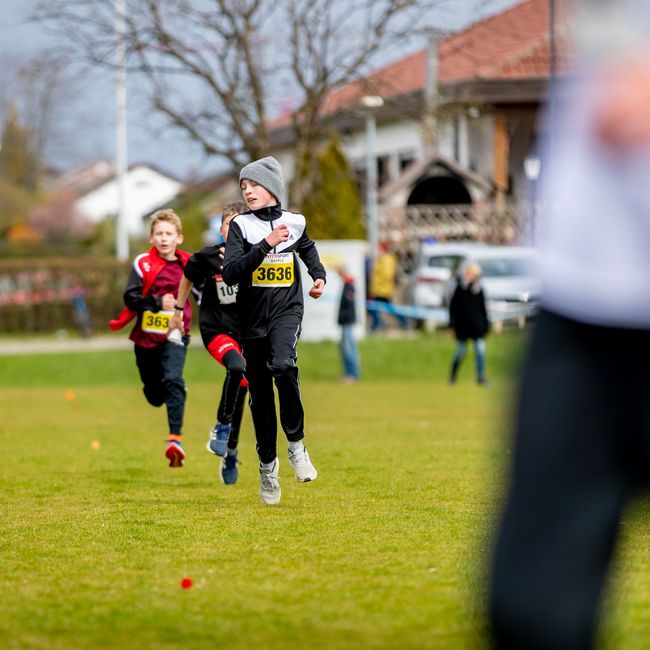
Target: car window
pixel 449 262
pixel 505 267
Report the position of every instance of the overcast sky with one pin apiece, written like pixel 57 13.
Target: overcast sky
pixel 94 95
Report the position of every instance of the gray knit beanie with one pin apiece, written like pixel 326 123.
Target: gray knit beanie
pixel 267 173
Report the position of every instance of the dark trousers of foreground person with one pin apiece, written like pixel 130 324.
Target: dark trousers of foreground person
pixel 582 449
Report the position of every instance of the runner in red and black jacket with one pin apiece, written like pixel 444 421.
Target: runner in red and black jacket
pixel 149 297
pixel 219 325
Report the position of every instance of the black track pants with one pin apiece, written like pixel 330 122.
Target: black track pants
pixel 235 367
pixel 161 371
pixel 273 359
pixel 233 438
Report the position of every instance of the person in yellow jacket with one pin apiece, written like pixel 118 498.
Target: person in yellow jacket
pixel 382 285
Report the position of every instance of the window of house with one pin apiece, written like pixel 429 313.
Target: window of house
pixel 383 170
pixel 360 178
pixel 405 159
pixel 383 174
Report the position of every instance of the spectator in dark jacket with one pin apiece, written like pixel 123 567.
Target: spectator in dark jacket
pixel 346 319
pixel 468 318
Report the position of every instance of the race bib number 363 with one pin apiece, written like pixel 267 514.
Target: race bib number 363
pixel 276 270
pixel 156 322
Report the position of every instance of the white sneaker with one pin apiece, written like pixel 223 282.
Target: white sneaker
pixel 302 466
pixel 270 492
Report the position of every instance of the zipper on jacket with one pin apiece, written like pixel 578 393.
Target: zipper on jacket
pixel 271 222
pixel 268 298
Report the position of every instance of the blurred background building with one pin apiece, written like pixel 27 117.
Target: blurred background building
pixel 433 144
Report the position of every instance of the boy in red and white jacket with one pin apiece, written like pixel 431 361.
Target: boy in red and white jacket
pixel 150 298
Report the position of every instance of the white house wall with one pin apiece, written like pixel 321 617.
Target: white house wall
pixel 146 190
pixel 480 143
pixel 475 150
pixel 524 131
pixel 392 140
pixel 445 139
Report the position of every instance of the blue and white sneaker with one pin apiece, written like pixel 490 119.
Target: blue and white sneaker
pixel 218 443
pixel 228 470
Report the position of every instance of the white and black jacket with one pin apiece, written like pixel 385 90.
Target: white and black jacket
pixel 247 248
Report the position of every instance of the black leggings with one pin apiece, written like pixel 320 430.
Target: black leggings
pixel 582 448
pixel 233 395
pixel 268 360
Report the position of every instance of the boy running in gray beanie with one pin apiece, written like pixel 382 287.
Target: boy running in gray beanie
pixel 267 173
pixel 261 257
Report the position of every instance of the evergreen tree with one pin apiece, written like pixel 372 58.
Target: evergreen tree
pixel 19 163
pixel 15 204
pixel 333 208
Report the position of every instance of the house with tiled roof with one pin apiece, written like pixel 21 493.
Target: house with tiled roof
pixel 459 117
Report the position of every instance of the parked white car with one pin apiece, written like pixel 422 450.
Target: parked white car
pixel 435 266
pixel 509 278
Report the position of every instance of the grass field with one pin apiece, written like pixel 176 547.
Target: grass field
pixel 387 549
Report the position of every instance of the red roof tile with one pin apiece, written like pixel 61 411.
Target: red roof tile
pixel 513 44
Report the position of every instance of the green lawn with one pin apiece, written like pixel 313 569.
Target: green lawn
pixel 387 549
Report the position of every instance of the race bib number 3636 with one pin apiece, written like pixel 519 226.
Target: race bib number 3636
pixel 276 270
pixel 156 322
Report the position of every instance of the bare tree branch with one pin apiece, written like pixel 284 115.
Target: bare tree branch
pixel 214 67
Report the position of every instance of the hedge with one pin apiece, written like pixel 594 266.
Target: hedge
pixel 45 295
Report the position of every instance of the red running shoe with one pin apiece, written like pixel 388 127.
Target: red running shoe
pixel 174 451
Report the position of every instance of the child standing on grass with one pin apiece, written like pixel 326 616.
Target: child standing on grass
pixel 261 258
pixel 347 318
pixel 219 325
pixel 469 320
pixel 150 297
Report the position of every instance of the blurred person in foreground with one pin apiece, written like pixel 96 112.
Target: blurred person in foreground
pixel 582 438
